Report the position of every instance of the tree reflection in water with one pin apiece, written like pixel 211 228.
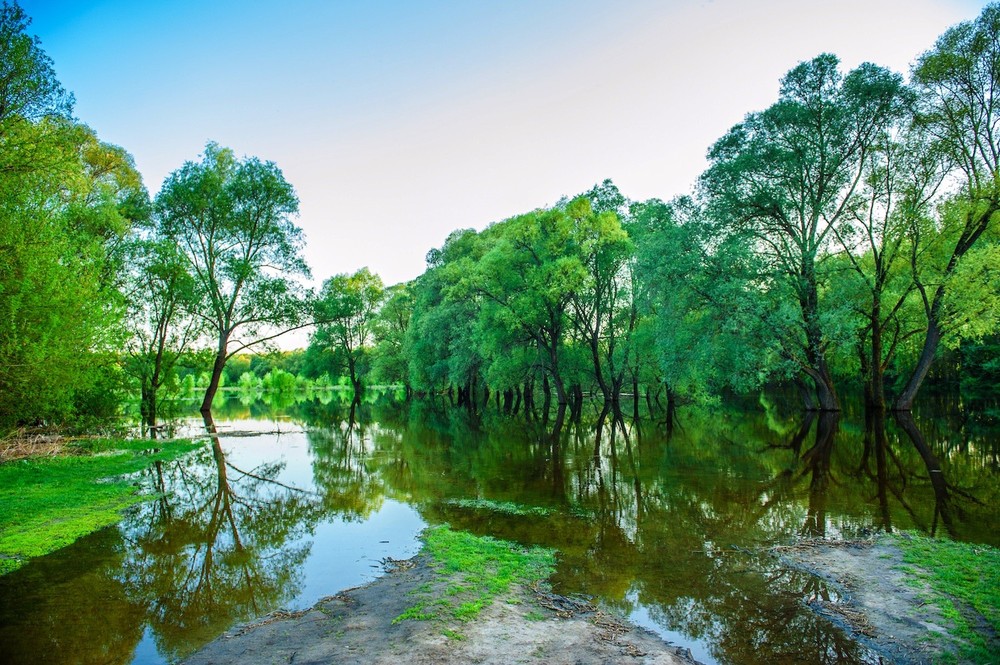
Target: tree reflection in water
pixel 221 545
pixel 671 525
pixel 666 525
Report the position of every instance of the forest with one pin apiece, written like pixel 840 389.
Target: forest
pixel 843 239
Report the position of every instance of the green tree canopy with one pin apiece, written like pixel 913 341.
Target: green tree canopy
pixel 231 220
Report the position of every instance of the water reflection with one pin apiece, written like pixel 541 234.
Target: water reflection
pixel 221 545
pixel 659 524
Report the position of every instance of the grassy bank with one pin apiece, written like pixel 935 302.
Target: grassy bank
pixel 47 503
pixel 473 571
pixel 964 583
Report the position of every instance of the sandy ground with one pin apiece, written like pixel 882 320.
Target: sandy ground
pixel 356 626
pixel 875 602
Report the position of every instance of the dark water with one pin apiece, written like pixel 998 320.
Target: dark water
pixel 298 500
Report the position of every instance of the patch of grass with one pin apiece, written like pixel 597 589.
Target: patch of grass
pixel 960 575
pixel 534 615
pixel 475 570
pixel 504 507
pixel 453 634
pixel 47 503
pixel 417 613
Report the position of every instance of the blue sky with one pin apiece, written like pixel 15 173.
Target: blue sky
pixel 398 122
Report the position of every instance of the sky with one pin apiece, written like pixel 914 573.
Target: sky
pixel 400 122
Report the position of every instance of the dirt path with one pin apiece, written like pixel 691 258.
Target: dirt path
pixel 356 626
pixel 870 596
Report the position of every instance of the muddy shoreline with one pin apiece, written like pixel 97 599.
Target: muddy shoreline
pixel 359 625
pixel 869 594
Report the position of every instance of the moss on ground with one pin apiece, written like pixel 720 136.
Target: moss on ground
pixel 474 571
pixel 48 503
pixel 965 583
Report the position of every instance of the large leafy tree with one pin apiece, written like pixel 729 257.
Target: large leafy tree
pixel 526 281
pixel 439 343
pixel 959 106
pixel 603 307
pixel 67 202
pixel 231 220
pixel 901 177
pixel 346 311
pixel 784 178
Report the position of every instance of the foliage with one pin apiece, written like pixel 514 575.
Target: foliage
pixel 162 304
pixel 231 220
pixel 479 569
pixel 964 577
pixel 49 503
pixel 390 363
pixel 957 82
pixel 67 202
pixel 783 181
pixel 346 311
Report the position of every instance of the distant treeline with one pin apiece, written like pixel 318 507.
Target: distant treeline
pixel 845 235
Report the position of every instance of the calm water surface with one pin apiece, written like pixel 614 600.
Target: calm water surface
pixel 296 501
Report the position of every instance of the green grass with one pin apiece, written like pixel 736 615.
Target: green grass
pixel 961 575
pixel 47 503
pixel 503 507
pixel 474 571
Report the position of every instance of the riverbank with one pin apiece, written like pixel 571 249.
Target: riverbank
pixel 66 489
pixel 907 598
pixel 462 599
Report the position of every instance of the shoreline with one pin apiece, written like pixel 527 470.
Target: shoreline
pixel 874 593
pixel 365 624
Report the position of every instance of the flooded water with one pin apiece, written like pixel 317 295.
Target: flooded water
pixel 296 501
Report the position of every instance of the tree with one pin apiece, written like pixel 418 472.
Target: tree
pixel 161 319
pixel 784 178
pixel 346 311
pixel 958 82
pixel 231 220
pixel 439 344
pixel 29 90
pixel 901 176
pixel 603 307
pixel 711 308
pixel 525 282
pixel 390 326
pixel 67 202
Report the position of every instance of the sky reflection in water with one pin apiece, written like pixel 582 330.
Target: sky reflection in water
pixel 286 510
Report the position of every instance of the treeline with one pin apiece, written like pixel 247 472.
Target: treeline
pixel 846 234
pixel 103 290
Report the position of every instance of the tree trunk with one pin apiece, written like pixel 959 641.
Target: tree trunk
pixel 635 398
pixel 352 365
pixel 877 388
pixel 905 400
pixel 671 410
pixel 147 404
pixel 818 371
pixel 826 394
pixel 213 383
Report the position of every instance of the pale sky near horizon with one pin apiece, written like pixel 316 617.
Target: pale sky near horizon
pixel 399 122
